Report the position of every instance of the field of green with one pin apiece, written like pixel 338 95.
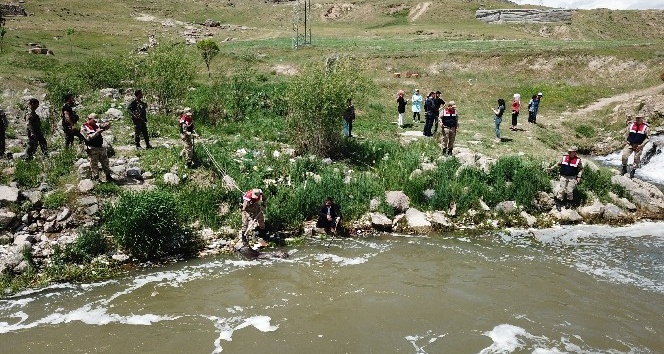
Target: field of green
pixel 260 91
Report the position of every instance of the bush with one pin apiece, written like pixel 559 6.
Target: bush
pixel 88 245
pixel 150 226
pixel 55 199
pixel 317 99
pixel 167 73
pixel 28 173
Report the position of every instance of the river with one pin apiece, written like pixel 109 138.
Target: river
pixel 582 289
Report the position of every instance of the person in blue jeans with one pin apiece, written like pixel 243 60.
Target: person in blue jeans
pixel 499 117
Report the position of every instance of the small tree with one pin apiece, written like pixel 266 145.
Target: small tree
pixel 167 73
pixel 70 33
pixel 3 31
pixel 317 100
pixel 208 49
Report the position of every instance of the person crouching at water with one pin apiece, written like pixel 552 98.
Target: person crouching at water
pixel 637 136
pixel 252 212
pixel 329 216
pixel 499 117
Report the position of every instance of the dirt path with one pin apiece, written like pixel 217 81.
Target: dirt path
pixel 623 97
pixel 419 10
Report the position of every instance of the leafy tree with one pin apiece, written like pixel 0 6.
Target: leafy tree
pixel 167 73
pixel 317 100
pixel 208 49
pixel 3 31
pixel 70 34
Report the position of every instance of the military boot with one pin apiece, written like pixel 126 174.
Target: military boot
pixel 632 172
pixel 624 170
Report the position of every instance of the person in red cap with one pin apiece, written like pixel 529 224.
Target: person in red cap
pixel 187 134
pixel 252 212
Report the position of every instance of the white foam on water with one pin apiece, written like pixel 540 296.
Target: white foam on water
pixel 343 261
pixel 85 314
pixel 429 337
pixel 505 339
pixel 227 326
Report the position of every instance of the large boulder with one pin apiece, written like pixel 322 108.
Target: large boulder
pixel 8 194
pixel 6 218
pixel 397 200
pixel 613 214
pixel 415 221
pixel 567 216
pixel 622 202
pixel 593 211
pixel 381 222
pixel 440 221
pixel 646 196
pixel 506 207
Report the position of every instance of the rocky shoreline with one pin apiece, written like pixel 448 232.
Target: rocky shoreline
pixel 39 228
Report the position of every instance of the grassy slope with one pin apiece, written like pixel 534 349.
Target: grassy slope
pixel 600 53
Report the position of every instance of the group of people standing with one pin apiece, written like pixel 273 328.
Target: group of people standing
pixel 533 107
pixel 435 114
pixel 90 132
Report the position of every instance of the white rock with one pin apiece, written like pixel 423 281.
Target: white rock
pixel 171 179
pixel 86 185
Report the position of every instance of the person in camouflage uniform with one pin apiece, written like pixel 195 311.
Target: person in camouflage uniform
pixel 94 142
pixel 35 135
pixel 187 134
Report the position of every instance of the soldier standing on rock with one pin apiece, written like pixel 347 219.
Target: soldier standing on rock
pixel 637 136
pixel 35 135
pixel 94 142
pixel 69 120
pixel 571 170
pixel 138 111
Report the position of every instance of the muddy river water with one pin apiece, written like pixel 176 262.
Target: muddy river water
pixel 579 289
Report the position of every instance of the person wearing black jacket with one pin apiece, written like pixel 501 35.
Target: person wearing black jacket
pixel 69 120
pixel 428 114
pixel 329 216
pixel 437 103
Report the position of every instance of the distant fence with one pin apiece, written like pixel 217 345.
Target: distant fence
pixel 524 15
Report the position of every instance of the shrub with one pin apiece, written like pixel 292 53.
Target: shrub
pixel 88 245
pixel 150 226
pixel 167 73
pixel 317 99
pixel 55 199
pixel 28 173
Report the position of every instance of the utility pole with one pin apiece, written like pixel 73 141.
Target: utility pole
pixel 302 23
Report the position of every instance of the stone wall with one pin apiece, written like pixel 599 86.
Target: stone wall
pixel 12 10
pixel 523 15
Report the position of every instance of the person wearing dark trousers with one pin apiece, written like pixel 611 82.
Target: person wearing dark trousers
pixel 69 120
pixel 349 117
pixel 138 111
pixel 35 135
pixel 329 216
pixel 3 129
pixel 429 116
pixel 437 103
